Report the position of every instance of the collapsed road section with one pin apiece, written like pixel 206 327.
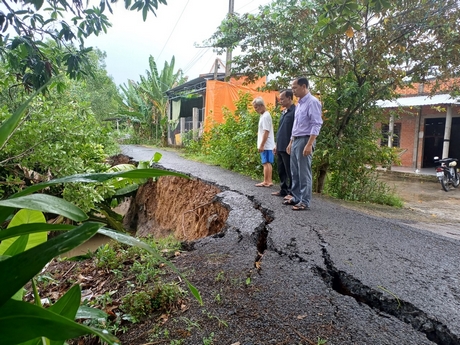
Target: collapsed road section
pixel 194 209
pixel 319 267
pixel 188 209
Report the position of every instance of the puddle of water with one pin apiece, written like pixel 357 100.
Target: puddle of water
pixel 91 245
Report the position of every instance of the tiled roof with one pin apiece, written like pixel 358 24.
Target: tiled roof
pixel 419 101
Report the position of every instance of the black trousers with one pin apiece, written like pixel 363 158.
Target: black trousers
pixel 284 171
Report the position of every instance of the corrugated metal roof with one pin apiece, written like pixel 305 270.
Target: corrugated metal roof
pixel 419 101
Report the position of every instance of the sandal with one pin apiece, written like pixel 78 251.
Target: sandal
pixel 277 194
pixel 300 207
pixel 261 184
pixel 288 202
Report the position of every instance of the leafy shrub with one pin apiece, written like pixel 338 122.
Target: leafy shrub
pixel 163 297
pixel 233 144
pixel 56 140
pixel 353 161
pixel 108 258
pixel 367 188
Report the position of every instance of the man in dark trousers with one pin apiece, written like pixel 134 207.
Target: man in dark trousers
pixel 307 125
pixel 283 136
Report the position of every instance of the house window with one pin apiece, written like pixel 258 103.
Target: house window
pixel 396 135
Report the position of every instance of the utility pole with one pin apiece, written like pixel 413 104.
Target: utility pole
pixel 228 59
pixel 216 68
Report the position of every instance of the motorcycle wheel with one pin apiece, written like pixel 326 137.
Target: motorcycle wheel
pixel 455 179
pixel 445 182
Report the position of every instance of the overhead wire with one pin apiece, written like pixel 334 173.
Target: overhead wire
pixel 250 2
pixel 196 58
pixel 207 62
pixel 172 31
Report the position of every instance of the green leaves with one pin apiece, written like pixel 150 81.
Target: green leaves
pixel 10 124
pixel 23 217
pixel 31 228
pixel 46 29
pixel 25 250
pixel 148 97
pixel 19 269
pixel 21 321
pixel 37 3
pixel 100 177
pixel 135 242
pixel 46 203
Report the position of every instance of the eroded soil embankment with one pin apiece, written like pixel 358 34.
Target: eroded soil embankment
pixel 187 208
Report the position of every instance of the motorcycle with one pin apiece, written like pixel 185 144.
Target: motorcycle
pixel 447 172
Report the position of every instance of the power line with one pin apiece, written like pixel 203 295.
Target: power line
pixel 250 2
pixel 195 60
pixel 167 41
pixel 254 9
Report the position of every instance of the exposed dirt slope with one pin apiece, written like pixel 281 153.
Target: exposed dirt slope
pixel 188 208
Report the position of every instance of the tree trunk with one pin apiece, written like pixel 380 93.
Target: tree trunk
pixel 322 172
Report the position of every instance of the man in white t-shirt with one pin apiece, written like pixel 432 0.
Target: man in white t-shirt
pixel 265 141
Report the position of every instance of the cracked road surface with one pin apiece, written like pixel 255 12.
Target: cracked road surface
pixel 376 280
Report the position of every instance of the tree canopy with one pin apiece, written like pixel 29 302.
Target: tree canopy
pixel 27 25
pixel 355 52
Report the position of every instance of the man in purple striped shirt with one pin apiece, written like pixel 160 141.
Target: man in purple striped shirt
pixel 307 124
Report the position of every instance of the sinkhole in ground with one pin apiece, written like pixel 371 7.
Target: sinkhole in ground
pixel 187 208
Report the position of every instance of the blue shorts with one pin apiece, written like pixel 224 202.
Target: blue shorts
pixel 267 156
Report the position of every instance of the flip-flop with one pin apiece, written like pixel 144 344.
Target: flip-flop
pixel 261 184
pixel 277 194
pixel 288 202
pixel 288 197
pixel 300 207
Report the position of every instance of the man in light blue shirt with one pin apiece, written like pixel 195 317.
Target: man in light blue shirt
pixel 307 125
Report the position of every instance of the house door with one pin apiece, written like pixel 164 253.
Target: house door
pixel 454 147
pixel 433 140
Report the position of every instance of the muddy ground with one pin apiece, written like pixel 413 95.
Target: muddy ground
pixel 426 205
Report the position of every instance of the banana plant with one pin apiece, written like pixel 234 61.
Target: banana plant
pixel 25 251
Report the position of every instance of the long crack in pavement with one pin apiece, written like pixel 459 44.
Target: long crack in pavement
pixel 347 285
pixel 248 219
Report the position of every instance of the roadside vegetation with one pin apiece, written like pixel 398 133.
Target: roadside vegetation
pixel 61 117
pixel 126 283
pixel 25 250
pixel 232 145
pixel 55 177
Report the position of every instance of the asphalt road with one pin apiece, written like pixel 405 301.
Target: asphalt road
pixel 373 270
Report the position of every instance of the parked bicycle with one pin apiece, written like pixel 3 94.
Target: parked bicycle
pixel 447 172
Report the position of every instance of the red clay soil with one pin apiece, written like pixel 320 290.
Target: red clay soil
pixel 187 208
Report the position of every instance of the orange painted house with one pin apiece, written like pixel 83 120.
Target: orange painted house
pixel 205 98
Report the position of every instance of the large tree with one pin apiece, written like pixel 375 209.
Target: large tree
pixel 26 27
pixel 355 52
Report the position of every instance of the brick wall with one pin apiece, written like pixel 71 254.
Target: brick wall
pixel 408 123
pixel 408 120
pixel 409 117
